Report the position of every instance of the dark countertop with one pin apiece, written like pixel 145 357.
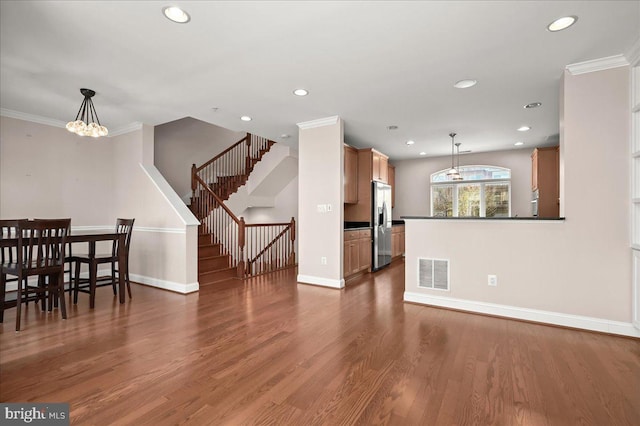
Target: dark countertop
pixel 355 226
pixel 486 218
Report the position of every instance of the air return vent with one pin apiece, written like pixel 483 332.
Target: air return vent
pixel 433 273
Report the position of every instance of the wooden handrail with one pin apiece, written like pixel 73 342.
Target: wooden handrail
pixel 275 239
pixel 218 199
pixel 222 153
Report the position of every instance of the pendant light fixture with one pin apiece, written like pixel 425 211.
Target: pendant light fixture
pixel 453 174
pixel 87 122
pixel 458 176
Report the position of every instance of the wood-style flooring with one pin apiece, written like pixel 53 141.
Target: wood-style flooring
pixel 270 351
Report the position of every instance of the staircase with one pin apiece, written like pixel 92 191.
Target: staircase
pixel 227 246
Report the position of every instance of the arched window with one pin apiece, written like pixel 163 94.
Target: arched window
pixel 484 191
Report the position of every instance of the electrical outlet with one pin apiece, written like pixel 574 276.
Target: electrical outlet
pixel 492 280
pixel 323 260
pixel 329 208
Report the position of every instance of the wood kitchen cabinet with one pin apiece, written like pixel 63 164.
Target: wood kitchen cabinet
pixel 350 174
pixel 545 178
pixel 357 252
pixel 397 241
pixel 392 182
pixel 372 165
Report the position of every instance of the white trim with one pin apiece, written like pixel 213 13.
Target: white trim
pixel 161 230
pixel 111 228
pixel 127 128
pixel 166 285
pixel 170 195
pixel 33 118
pixel 633 54
pixel 635 303
pixel 328 121
pixel 325 282
pixel 555 318
pixel 62 124
pixel 600 64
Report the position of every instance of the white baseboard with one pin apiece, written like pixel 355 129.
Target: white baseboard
pixel 555 318
pixel 152 282
pixel 166 285
pixel 325 282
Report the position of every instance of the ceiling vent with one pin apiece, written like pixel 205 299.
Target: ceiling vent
pixel 433 273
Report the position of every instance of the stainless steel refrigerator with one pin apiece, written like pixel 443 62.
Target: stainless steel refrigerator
pixel 381 214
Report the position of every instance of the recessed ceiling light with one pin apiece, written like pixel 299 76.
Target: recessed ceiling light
pixel 519 143
pixel 562 23
pixel 533 105
pixel 245 118
pixel 465 84
pixel 423 153
pixel 524 128
pixel 284 136
pixel 176 14
pixel 410 142
pixel 392 127
pixel 301 92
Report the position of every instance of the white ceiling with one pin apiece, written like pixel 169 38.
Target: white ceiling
pixel 373 63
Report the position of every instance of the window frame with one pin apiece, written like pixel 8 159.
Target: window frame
pixel 457 183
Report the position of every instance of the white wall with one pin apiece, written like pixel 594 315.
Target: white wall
pixel 187 141
pixel 320 179
pixel 413 188
pixel 46 171
pixel 575 272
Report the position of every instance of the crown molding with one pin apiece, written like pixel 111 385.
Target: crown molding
pixel 600 64
pixel 31 117
pixel 633 54
pixel 131 127
pixel 321 122
pixel 61 124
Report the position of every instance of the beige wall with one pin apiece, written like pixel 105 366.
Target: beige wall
pixel 413 188
pixel 187 141
pixel 320 178
pixel 46 171
pixel 575 272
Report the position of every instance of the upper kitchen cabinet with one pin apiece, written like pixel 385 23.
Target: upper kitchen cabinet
pixel 380 166
pixel 545 179
pixel 350 174
pixel 372 165
pixel 392 182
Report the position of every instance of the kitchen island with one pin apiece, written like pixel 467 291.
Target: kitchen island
pixel 546 270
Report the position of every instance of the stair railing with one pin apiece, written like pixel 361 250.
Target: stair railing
pixel 270 247
pixel 230 169
pixel 216 219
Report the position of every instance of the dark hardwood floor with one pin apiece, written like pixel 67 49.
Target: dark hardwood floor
pixel 272 352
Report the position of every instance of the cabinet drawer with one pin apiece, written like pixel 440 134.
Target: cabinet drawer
pixel 364 233
pixel 351 235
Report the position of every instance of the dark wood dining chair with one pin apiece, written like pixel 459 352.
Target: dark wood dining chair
pixel 39 252
pixel 89 285
pixel 8 254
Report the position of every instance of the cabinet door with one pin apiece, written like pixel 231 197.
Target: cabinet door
pixel 375 170
pixel 354 249
pixel 534 170
pixel 350 175
pixel 364 245
pixel 384 169
pixel 392 181
pixel 346 260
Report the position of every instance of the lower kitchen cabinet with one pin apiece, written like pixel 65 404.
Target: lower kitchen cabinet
pixel 357 252
pixel 397 241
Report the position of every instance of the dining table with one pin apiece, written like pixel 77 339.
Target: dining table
pixel 91 238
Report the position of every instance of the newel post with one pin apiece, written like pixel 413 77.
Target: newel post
pixel 194 171
pixel 293 240
pixel 241 244
pixel 247 158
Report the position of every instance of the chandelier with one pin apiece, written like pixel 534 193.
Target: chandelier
pixel 453 173
pixel 87 122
